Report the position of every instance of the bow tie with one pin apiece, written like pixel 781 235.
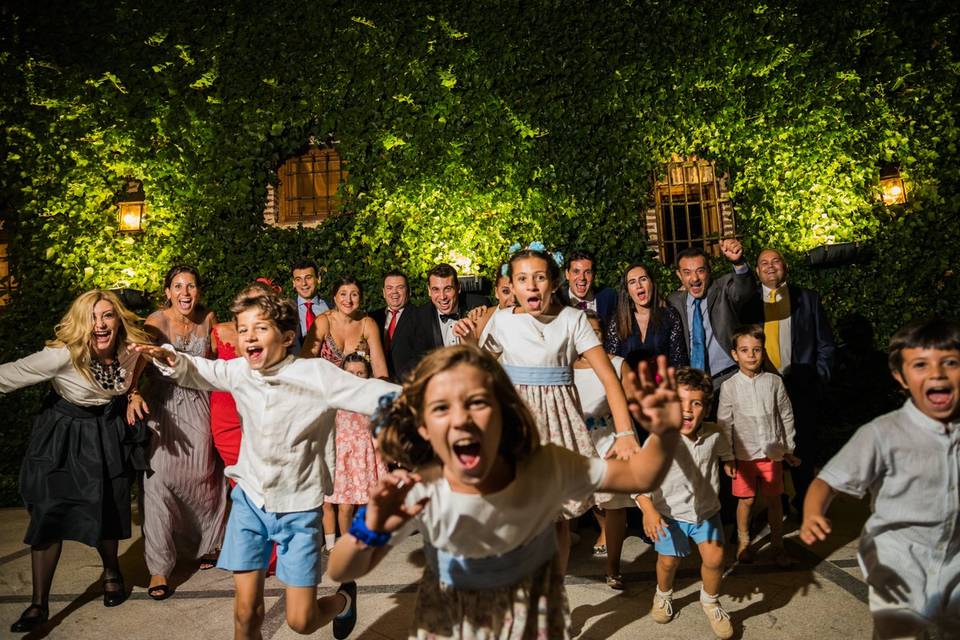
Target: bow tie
pixel 449 316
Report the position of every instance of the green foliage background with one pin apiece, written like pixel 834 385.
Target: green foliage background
pixel 469 126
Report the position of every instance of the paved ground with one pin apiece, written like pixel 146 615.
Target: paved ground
pixel 822 597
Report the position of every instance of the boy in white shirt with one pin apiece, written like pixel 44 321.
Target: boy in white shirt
pixel 757 417
pixel 286 405
pixel 686 507
pixel 909 461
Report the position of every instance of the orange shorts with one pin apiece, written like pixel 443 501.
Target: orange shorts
pixel 763 477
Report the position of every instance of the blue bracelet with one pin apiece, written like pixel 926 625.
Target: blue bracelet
pixel 359 530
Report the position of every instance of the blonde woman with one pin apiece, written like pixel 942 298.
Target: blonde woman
pixel 76 474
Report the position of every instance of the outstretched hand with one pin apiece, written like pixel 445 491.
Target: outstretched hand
pixel 386 508
pixel 164 356
pixel 652 399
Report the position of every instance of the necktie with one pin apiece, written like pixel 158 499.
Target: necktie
pixel 698 339
pixel 771 329
pixel 391 328
pixel 311 316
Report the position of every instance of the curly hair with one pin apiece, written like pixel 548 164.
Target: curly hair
pixel 75 329
pixel 399 439
pixel 696 380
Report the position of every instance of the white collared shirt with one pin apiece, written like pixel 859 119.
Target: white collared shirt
pixel 388 316
pixel 691 489
pixel 446 328
pixel 756 415
pixel 287 412
pixel 784 324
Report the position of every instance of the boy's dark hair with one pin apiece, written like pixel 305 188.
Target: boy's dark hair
pixel 752 330
pixel 696 379
pixel 305 263
pixel 581 254
pixel 692 252
pixel 932 333
pixel 443 270
pixel 356 356
pixel 280 311
pixel 394 273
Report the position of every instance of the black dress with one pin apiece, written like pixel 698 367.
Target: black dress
pixel 666 340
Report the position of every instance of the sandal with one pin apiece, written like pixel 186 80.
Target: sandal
pixel 159 592
pixel 600 551
pixel 615 582
pixel 28 622
pixel 207 563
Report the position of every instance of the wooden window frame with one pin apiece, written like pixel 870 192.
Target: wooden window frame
pixel 308 187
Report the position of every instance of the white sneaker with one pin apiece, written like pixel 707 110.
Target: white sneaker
pixel 719 620
pixel 662 610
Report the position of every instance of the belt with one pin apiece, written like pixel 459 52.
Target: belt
pixel 539 376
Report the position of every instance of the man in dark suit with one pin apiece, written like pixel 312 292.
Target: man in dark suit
pixel 710 309
pixel 309 304
pixel 800 346
pixel 579 291
pixel 432 325
pixel 396 318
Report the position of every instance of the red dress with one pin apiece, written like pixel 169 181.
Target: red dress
pixel 224 419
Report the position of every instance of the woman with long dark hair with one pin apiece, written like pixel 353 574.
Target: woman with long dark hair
pixel 644 325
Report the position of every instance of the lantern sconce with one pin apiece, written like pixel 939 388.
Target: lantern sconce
pixel 131 207
pixel 893 191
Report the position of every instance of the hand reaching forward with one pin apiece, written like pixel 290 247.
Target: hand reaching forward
pixel 161 355
pixel 386 511
pixel 653 402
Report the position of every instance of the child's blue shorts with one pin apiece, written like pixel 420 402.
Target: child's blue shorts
pixel 679 535
pixel 252 532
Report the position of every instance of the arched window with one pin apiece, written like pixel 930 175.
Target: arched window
pixel 691 208
pixel 308 186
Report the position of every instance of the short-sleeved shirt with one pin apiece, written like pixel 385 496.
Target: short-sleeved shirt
pixel 542 341
pixel 479 526
pixel 910 465
pixel 691 489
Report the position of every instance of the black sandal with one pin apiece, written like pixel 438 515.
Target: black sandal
pixel 114 597
pixel 159 592
pixel 27 622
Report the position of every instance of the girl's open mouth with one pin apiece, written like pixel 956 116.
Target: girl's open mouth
pixel 468 452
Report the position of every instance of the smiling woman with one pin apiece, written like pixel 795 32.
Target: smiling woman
pixel 185 492
pixel 78 467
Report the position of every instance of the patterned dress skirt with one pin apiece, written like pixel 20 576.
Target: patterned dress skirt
pixel 556 409
pixel 534 608
pixel 358 465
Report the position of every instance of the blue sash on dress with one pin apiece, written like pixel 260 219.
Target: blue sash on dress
pixel 493 572
pixel 539 376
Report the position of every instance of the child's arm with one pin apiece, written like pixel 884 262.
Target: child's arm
pixel 725 412
pixel 657 407
pixel 471 327
pixel 624 445
pixel 653 524
pixel 386 512
pixel 815 525
pixel 189 371
pixel 346 391
pixel 785 408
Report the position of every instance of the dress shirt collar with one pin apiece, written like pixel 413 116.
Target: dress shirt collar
pixel 274 370
pixel 781 291
pixel 923 420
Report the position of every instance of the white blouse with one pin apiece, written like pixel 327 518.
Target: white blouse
pixel 54 364
pixel 543 341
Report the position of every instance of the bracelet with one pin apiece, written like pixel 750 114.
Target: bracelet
pixel 625 434
pixel 359 530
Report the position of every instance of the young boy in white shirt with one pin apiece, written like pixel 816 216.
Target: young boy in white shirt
pixel 686 507
pixel 286 405
pixel 757 417
pixel 909 461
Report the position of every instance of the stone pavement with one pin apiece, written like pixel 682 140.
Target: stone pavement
pixel 822 597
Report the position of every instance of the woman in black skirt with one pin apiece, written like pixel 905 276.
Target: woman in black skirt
pixel 76 474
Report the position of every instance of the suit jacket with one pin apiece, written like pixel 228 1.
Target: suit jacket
pixel 424 334
pixel 812 346
pixel 606 302
pixel 725 299
pixel 396 358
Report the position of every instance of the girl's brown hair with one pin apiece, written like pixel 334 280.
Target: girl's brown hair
pixel 398 437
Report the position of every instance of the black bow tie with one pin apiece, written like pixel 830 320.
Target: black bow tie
pixel 449 316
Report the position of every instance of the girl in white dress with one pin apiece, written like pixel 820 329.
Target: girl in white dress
pixel 537 343
pixel 484 495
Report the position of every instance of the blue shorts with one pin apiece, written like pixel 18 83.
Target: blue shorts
pixel 679 534
pixel 252 532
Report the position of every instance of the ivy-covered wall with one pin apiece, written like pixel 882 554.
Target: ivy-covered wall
pixel 468 126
